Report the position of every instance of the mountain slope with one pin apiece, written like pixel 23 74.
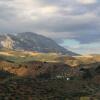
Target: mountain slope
pixel 29 41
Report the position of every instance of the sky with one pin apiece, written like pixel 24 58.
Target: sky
pixel 74 24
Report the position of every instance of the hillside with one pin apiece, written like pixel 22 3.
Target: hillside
pixel 48 76
pixel 31 75
pixel 32 42
pixel 44 64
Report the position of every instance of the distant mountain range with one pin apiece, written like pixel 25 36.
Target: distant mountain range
pixel 29 41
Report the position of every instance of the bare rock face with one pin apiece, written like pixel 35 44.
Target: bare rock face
pixel 7 43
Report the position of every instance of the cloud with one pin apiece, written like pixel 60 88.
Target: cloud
pixel 66 19
pixel 87 1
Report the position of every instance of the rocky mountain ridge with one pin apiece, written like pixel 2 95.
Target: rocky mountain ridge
pixel 29 41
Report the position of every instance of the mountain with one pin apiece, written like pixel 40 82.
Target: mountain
pixel 29 41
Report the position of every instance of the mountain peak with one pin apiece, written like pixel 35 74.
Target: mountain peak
pixel 30 41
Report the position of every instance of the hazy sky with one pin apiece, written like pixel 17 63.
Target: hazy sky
pixel 74 24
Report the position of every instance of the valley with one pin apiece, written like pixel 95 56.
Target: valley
pixel 49 49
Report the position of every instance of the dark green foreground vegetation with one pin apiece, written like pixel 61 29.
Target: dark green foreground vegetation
pixel 34 89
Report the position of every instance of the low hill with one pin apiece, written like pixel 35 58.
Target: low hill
pixel 35 69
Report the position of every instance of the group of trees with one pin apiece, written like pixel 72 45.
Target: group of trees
pixel 86 73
